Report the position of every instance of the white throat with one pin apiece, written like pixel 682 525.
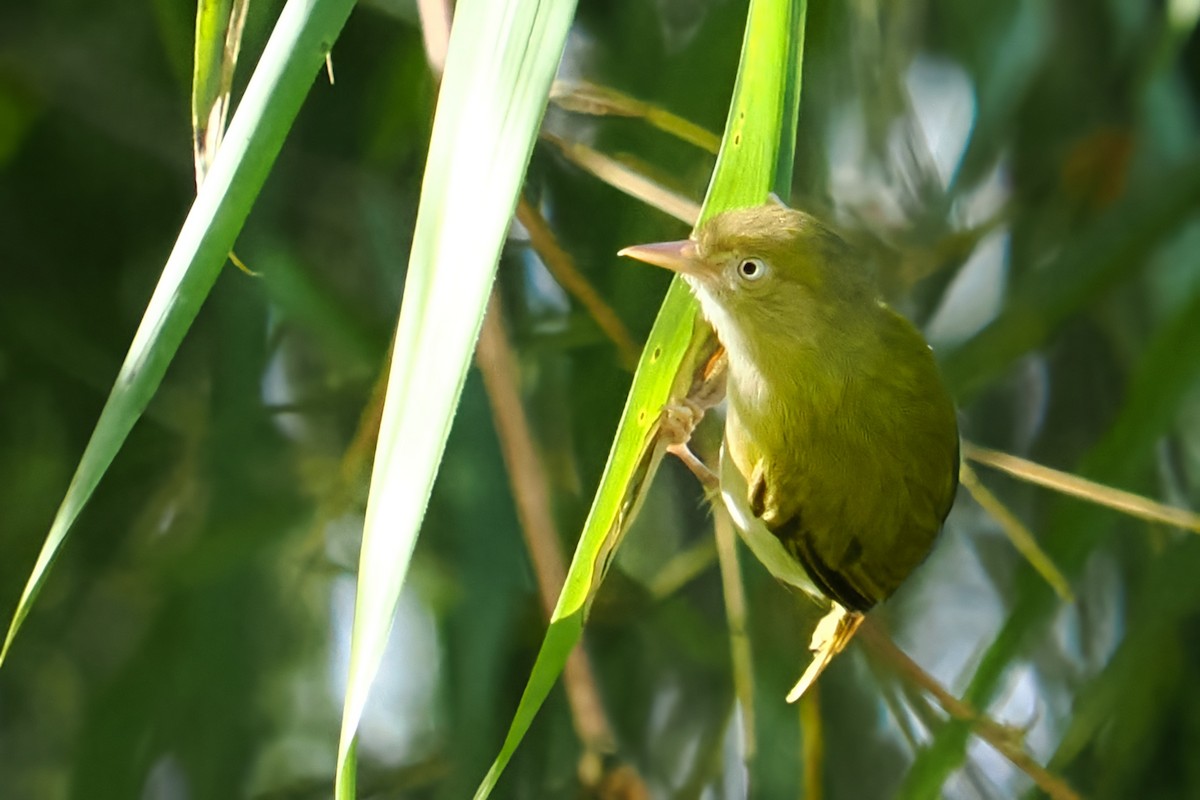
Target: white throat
pixel 747 382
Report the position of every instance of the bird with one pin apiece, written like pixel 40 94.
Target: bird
pixel 840 457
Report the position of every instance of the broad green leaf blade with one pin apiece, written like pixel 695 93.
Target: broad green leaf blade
pixel 759 144
pixel 500 63
pixel 294 53
pixel 755 158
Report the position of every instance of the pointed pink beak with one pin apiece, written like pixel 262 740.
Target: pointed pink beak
pixel 676 256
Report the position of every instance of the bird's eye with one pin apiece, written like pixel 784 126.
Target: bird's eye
pixel 752 269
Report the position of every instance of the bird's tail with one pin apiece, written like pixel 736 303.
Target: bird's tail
pixel 833 633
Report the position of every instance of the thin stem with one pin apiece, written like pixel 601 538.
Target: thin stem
pixel 1020 536
pixel 812 744
pixel 628 180
pixel 562 267
pixel 583 97
pixel 682 568
pixel 1005 740
pixel 735 614
pixel 1065 483
pixel 497 363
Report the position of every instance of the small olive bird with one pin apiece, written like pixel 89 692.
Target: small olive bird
pixel 840 459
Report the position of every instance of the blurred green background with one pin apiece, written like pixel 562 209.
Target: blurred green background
pixel 1032 165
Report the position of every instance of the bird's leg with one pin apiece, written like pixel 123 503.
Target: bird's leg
pixel 678 421
pixel 680 418
pixel 708 479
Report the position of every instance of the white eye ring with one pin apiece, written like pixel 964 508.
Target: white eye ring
pixel 752 269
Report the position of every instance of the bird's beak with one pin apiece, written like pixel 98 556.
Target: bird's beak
pixel 676 256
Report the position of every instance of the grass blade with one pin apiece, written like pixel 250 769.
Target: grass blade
pixel 625 178
pixel 500 64
pixel 295 52
pixel 1065 483
pixel 1019 536
pixel 589 98
pixel 755 158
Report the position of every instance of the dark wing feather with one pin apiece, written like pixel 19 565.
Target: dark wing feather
pixel 838 585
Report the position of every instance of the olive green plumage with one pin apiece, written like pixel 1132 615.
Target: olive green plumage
pixel 840 436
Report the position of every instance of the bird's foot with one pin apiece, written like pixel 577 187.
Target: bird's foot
pixel 678 421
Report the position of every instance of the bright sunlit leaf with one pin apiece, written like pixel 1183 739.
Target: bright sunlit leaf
pixel 755 159
pixel 501 61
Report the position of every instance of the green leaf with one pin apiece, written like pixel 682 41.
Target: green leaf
pixel 755 159
pixel 501 60
pixel 296 50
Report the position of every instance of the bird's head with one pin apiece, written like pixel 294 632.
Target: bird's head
pixel 763 273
